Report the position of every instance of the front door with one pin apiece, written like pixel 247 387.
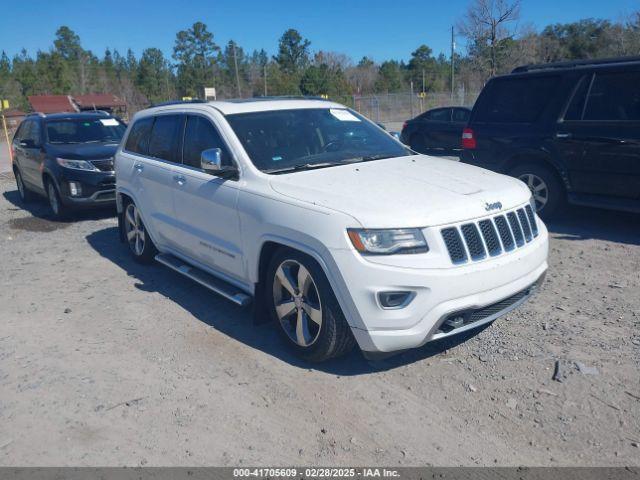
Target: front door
pixel 205 205
pixel 600 137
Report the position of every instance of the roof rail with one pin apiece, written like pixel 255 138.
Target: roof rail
pixel 574 63
pixel 177 102
pixel 39 114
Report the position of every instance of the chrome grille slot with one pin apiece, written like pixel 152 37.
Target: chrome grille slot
pixel 505 234
pixel 473 241
pixel 532 220
pixel 525 225
pixel 490 237
pixel 454 245
pixel 515 228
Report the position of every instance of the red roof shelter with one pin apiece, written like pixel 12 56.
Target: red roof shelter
pixel 99 101
pixel 52 103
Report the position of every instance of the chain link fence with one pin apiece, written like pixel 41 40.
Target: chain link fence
pixel 391 108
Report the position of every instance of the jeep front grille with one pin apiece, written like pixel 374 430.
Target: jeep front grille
pixel 492 236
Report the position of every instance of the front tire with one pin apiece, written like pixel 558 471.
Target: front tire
pixel 547 191
pixel 138 240
pixel 58 209
pixel 302 303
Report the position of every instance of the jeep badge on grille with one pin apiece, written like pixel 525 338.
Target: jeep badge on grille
pixel 493 206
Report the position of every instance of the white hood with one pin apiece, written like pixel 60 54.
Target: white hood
pixel 414 191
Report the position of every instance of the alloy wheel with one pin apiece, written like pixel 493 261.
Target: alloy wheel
pixel 134 229
pixel 297 303
pixel 538 188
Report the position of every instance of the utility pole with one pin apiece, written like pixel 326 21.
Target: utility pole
pixel 235 61
pixel 453 49
pixel 265 80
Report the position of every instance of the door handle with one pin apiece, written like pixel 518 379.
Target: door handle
pixel 180 180
pixel 139 167
pixel 563 135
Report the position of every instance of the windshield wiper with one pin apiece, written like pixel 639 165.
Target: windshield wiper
pixel 306 166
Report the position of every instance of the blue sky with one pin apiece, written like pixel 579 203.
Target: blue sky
pixel 380 29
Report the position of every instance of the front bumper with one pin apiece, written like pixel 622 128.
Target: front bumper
pixel 98 189
pixel 439 294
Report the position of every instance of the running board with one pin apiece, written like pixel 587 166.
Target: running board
pixel 205 279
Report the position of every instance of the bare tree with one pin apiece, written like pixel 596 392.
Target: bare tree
pixel 489 26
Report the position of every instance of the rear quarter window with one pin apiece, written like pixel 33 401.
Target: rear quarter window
pixel 138 139
pixel 515 100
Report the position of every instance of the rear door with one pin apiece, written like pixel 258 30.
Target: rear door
pixel 154 141
pixel 29 153
pixel 608 133
pixel 206 205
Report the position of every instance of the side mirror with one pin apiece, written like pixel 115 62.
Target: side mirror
pixel 211 162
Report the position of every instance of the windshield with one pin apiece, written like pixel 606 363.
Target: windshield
pixel 285 140
pixel 78 130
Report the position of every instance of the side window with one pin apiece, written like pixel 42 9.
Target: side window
pixel 515 100
pixel 461 115
pixel 201 135
pixel 23 131
pixel 614 96
pixel 576 106
pixel 443 115
pixel 36 134
pixel 31 133
pixel 165 137
pixel 22 128
pixel 138 139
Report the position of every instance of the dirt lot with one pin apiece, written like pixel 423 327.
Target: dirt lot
pixel 104 362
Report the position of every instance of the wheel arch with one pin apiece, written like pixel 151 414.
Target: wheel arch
pixel 540 157
pixel 270 245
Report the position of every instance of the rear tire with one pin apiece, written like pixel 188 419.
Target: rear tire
pixel 136 235
pixel 546 188
pixel 302 303
pixel 26 195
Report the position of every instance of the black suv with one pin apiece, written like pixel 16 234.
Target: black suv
pixel 68 158
pixel 570 131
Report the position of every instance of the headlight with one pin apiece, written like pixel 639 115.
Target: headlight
pixel 388 241
pixel 76 164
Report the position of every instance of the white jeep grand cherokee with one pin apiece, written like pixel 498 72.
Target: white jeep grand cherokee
pixel 338 231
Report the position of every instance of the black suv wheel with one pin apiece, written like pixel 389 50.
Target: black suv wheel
pixel 547 191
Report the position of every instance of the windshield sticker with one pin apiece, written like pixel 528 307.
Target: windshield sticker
pixel 277 158
pixel 109 122
pixel 343 115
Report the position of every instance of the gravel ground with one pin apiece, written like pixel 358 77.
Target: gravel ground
pixel 105 362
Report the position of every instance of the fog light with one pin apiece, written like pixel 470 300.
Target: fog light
pixel 395 299
pixel 75 189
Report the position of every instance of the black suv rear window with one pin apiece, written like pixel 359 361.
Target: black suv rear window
pixel 515 100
